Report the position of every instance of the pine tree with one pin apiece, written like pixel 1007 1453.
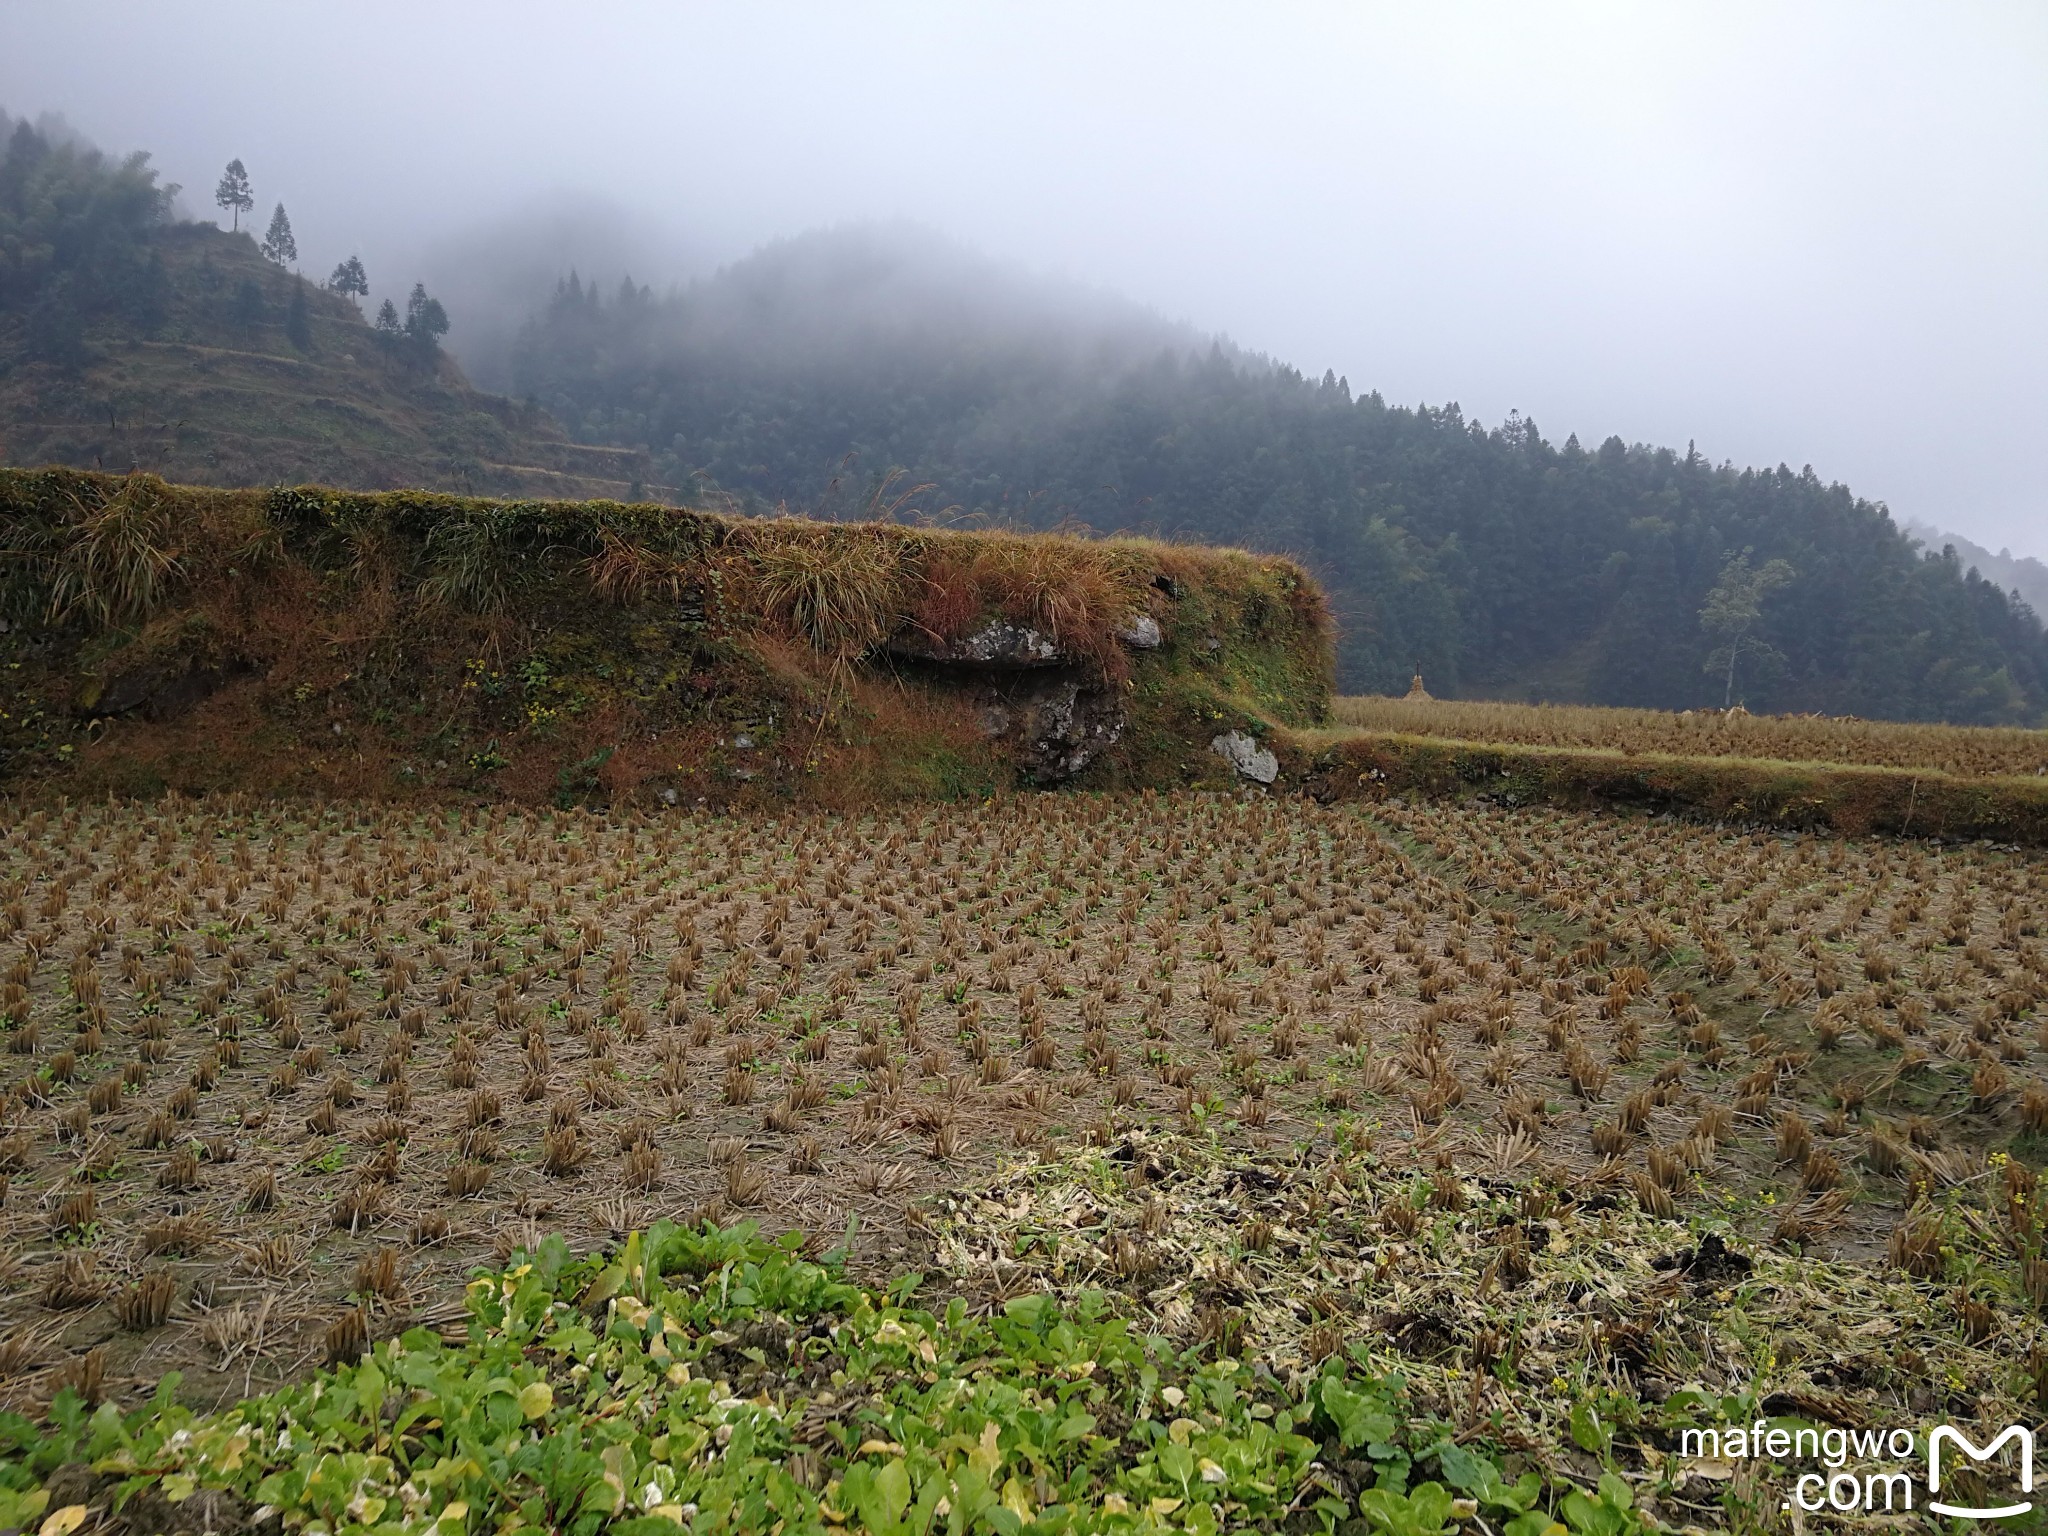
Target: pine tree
pixel 233 192
pixel 350 279
pixel 387 319
pixel 278 244
pixel 426 322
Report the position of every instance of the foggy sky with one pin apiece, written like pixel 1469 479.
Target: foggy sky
pixel 1815 233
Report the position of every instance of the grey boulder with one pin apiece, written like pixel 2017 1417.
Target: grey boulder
pixel 1251 760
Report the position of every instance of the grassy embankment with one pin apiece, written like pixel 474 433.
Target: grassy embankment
pixel 405 644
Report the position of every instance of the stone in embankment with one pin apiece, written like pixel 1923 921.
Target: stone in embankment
pixel 998 643
pixel 1251 760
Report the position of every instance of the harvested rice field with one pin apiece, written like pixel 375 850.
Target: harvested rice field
pixel 1553 1120
pixel 1967 752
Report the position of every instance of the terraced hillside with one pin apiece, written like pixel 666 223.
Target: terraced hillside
pixel 219 391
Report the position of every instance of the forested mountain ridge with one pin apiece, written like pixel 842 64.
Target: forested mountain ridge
pixel 132 340
pixel 1493 560
pixel 2015 573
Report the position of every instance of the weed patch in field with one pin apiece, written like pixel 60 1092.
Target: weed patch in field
pixel 710 1380
pixel 1572 1328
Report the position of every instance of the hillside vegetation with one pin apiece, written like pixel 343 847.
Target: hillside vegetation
pixel 131 341
pixel 1499 563
pixel 404 643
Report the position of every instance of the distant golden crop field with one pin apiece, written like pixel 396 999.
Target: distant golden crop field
pixel 1965 751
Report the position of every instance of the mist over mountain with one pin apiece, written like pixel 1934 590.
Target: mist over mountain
pixel 898 296
pixel 53 128
pixel 2014 573
pixel 494 274
pixel 1493 560
pixel 827 359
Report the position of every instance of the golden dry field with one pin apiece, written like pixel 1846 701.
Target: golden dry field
pixel 1963 751
pixel 283 1078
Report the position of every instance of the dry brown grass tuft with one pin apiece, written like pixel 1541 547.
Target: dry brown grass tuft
pixel 745 1185
pixel 85 1375
pixel 1915 1247
pixel 72 1283
pixel 562 1152
pixel 629 572
pixel 347 1338
pixel 842 589
pixel 147 1303
pixel 380 1274
pixel 117 560
pixel 642 1167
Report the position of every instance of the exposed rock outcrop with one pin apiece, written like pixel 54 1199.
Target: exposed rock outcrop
pixel 1056 723
pixel 1141 633
pixel 1056 713
pixel 1251 760
pixel 998 643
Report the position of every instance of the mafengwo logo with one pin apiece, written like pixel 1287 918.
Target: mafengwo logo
pixel 1948 1434
pixel 1853 1478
